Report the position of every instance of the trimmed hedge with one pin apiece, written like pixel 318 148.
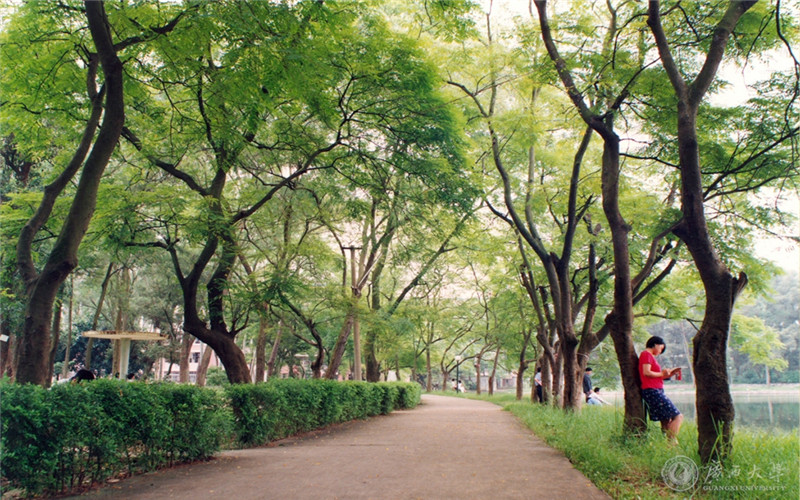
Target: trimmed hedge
pixel 72 434
pixel 61 439
pixel 280 408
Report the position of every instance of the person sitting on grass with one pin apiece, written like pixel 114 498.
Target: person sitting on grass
pixel 595 399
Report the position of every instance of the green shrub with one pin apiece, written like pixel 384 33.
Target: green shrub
pixel 197 424
pixel 256 412
pixel 71 435
pixel 409 395
pixel 279 408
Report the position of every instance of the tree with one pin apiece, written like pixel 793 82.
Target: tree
pixel 759 342
pixel 715 411
pixel 33 352
pixel 324 108
pixel 600 116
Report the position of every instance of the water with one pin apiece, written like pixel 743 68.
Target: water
pixel 763 410
pixel 778 411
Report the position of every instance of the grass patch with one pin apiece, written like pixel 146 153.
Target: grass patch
pixel 762 464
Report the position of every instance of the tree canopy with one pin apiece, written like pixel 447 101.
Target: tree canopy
pixel 417 186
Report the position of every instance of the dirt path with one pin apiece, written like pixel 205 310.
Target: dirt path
pixel 445 448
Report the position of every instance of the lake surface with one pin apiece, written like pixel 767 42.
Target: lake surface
pixel 765 410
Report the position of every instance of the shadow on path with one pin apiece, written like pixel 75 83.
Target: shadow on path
pixel 445 448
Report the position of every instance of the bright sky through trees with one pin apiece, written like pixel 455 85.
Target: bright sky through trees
pixel 783 250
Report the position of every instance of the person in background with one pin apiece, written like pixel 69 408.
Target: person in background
pixel 537 379
pixel 83 374
pixel 652 376
pixel 595 399
pixel 587 382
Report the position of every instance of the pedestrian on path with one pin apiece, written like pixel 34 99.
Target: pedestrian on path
pixel 537 379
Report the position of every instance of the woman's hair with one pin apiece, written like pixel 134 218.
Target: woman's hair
pixel 654 341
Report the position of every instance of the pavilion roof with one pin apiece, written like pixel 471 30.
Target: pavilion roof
pixel 120 335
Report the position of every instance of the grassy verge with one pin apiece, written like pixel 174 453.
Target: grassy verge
pixel 763 464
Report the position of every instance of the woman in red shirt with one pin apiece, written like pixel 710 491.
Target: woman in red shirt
pixel 658 405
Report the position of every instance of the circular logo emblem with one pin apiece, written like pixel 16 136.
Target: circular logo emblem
pixel 680 473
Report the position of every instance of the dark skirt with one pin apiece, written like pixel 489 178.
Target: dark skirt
pixel 658 405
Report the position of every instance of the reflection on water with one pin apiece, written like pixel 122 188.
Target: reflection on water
pixel 779 411
pixel 766 411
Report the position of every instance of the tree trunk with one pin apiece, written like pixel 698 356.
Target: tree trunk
pixel 97 311
pixel 478 373
pixel 558 379
pixel 67 344
pixel 341 343
pixel 35 345
pixel 56 328
pixel 261 349
pixel 428 369
pixel 494 371
pixel 713 400
pixel 373 366
pixel 572 395
pixel 202 367
pixel 520 380
pixel 523 366
pixel 183 363
pixel 6 348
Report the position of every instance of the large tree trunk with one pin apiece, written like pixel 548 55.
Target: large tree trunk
pixel 215 334
pixel 572 394
pixel 714 403
pixel 68 343
pixel 620 320
pixel 35 345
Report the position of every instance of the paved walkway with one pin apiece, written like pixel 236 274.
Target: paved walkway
pixel 446 448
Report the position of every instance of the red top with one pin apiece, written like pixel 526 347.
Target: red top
pixel 646 358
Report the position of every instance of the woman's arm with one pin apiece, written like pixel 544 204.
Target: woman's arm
pixel 653 374
pixel 663 374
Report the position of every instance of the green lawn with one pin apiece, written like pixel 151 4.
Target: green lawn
pixel 762 465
